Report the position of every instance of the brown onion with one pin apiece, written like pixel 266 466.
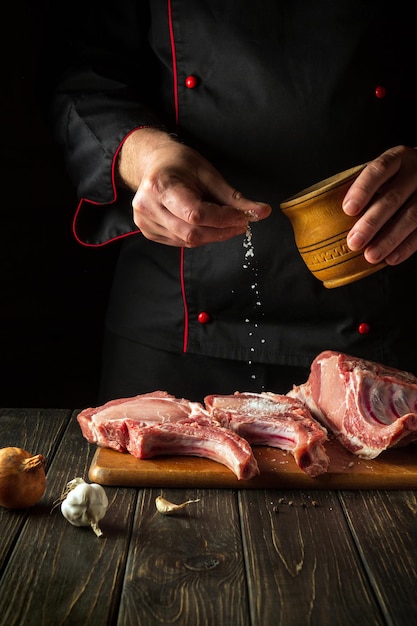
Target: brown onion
pixel 22 478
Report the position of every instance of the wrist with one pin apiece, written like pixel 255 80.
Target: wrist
pixel 134 153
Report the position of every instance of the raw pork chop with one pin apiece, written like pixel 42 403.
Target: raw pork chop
pixel 198 437
pixel 107 425
pixel 157 423
pixel 368 406
pixel 274 420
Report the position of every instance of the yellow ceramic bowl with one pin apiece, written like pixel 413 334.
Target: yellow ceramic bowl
pixel 320 229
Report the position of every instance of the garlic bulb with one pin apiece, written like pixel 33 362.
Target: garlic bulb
pixel 84 504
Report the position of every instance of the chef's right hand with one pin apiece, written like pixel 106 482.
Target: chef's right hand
pixel 181 199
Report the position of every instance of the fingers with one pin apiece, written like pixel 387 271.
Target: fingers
pixel 172 231
pixel 220 191
pixel 174 210
pixel 383 207
pixel 398 240
pixel 385 194
pixel 180 218
pixel 188 205
pixel 369 182
pixel 255 211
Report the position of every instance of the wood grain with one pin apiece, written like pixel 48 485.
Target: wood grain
pixel 309 559
pixel 385 532
pixel 393 469
pixel 185 569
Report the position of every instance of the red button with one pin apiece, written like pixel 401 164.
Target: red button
pixel 380 91
pixel 203 317
pixel 364 328
pixel 191 82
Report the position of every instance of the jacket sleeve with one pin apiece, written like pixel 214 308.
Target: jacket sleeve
pixel 98 85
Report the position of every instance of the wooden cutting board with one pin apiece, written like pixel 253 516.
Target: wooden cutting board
pixel 393 469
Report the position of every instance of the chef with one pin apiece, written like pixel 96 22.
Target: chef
pixel 184 125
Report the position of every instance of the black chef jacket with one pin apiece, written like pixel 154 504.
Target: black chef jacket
pixel 278 95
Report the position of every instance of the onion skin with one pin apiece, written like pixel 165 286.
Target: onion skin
pixel 22 478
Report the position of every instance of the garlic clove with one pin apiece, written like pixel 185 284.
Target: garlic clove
pixel 167 508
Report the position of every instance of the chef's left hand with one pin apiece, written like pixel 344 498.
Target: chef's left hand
pixel 386 194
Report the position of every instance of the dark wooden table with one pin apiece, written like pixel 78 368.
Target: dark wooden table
pixel 236 558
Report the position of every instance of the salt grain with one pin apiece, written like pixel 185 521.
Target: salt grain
pixel 248 265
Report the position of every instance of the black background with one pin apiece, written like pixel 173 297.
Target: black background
pixel 53 291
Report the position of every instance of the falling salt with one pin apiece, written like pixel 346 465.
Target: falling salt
pixel 250 266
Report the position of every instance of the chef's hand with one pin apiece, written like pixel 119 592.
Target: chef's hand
pixel 385 193
pixel 180 199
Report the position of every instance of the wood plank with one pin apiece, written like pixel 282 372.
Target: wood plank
pixel 66 574
pixel 384 525
pixel 393 469
pixel 186 568
pixel 302 565
pixel 37 431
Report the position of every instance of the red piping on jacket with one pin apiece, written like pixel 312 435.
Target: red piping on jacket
pixel 175 90
pixel 86 201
